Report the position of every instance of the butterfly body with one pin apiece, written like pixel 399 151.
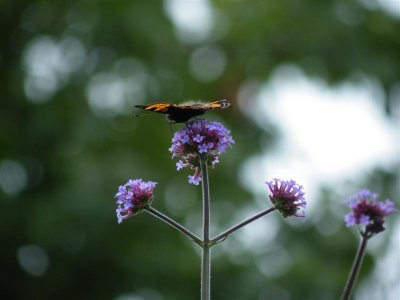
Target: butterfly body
pixel 182 113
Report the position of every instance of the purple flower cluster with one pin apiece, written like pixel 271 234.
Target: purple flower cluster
pixel 287 197
pixel 368 211
pixel 133 197
pixel 200 137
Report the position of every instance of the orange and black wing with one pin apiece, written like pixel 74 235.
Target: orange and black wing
pixel 156 107
pixel 220 104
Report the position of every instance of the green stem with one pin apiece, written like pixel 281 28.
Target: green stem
pixel 205 273
pixel 225 234
pixel 205 258
pixel 355 269
pixel 174 224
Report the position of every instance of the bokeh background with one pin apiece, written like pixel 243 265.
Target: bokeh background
pixel 315 94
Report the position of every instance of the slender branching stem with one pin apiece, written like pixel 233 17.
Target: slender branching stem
pixel 206 273
pixel 206 200
pixel 355 268
pixel 174 224
pixel 225 234
pixel 205 257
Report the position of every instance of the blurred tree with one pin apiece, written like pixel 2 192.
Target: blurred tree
pixel 71 73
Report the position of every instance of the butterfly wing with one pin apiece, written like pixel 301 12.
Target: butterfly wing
pixel 220 104
pixel 156 107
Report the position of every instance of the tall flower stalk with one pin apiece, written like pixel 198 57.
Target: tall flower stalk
pixel 199 146
pixel 206 245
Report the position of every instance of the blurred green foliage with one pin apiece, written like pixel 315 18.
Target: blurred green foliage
pixel 70 146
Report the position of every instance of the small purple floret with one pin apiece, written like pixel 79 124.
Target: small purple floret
pixel 195 179
pixel 133 197
pixel 203 148
pixel 179 165
pixel 198 138
pixel 368 212
pixel 287 197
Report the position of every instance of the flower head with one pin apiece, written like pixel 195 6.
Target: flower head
pixel 287 197
pixel 200 137
pixel 368 212
pixel 133 197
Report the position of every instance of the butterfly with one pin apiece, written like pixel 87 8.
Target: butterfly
pixel 179 113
